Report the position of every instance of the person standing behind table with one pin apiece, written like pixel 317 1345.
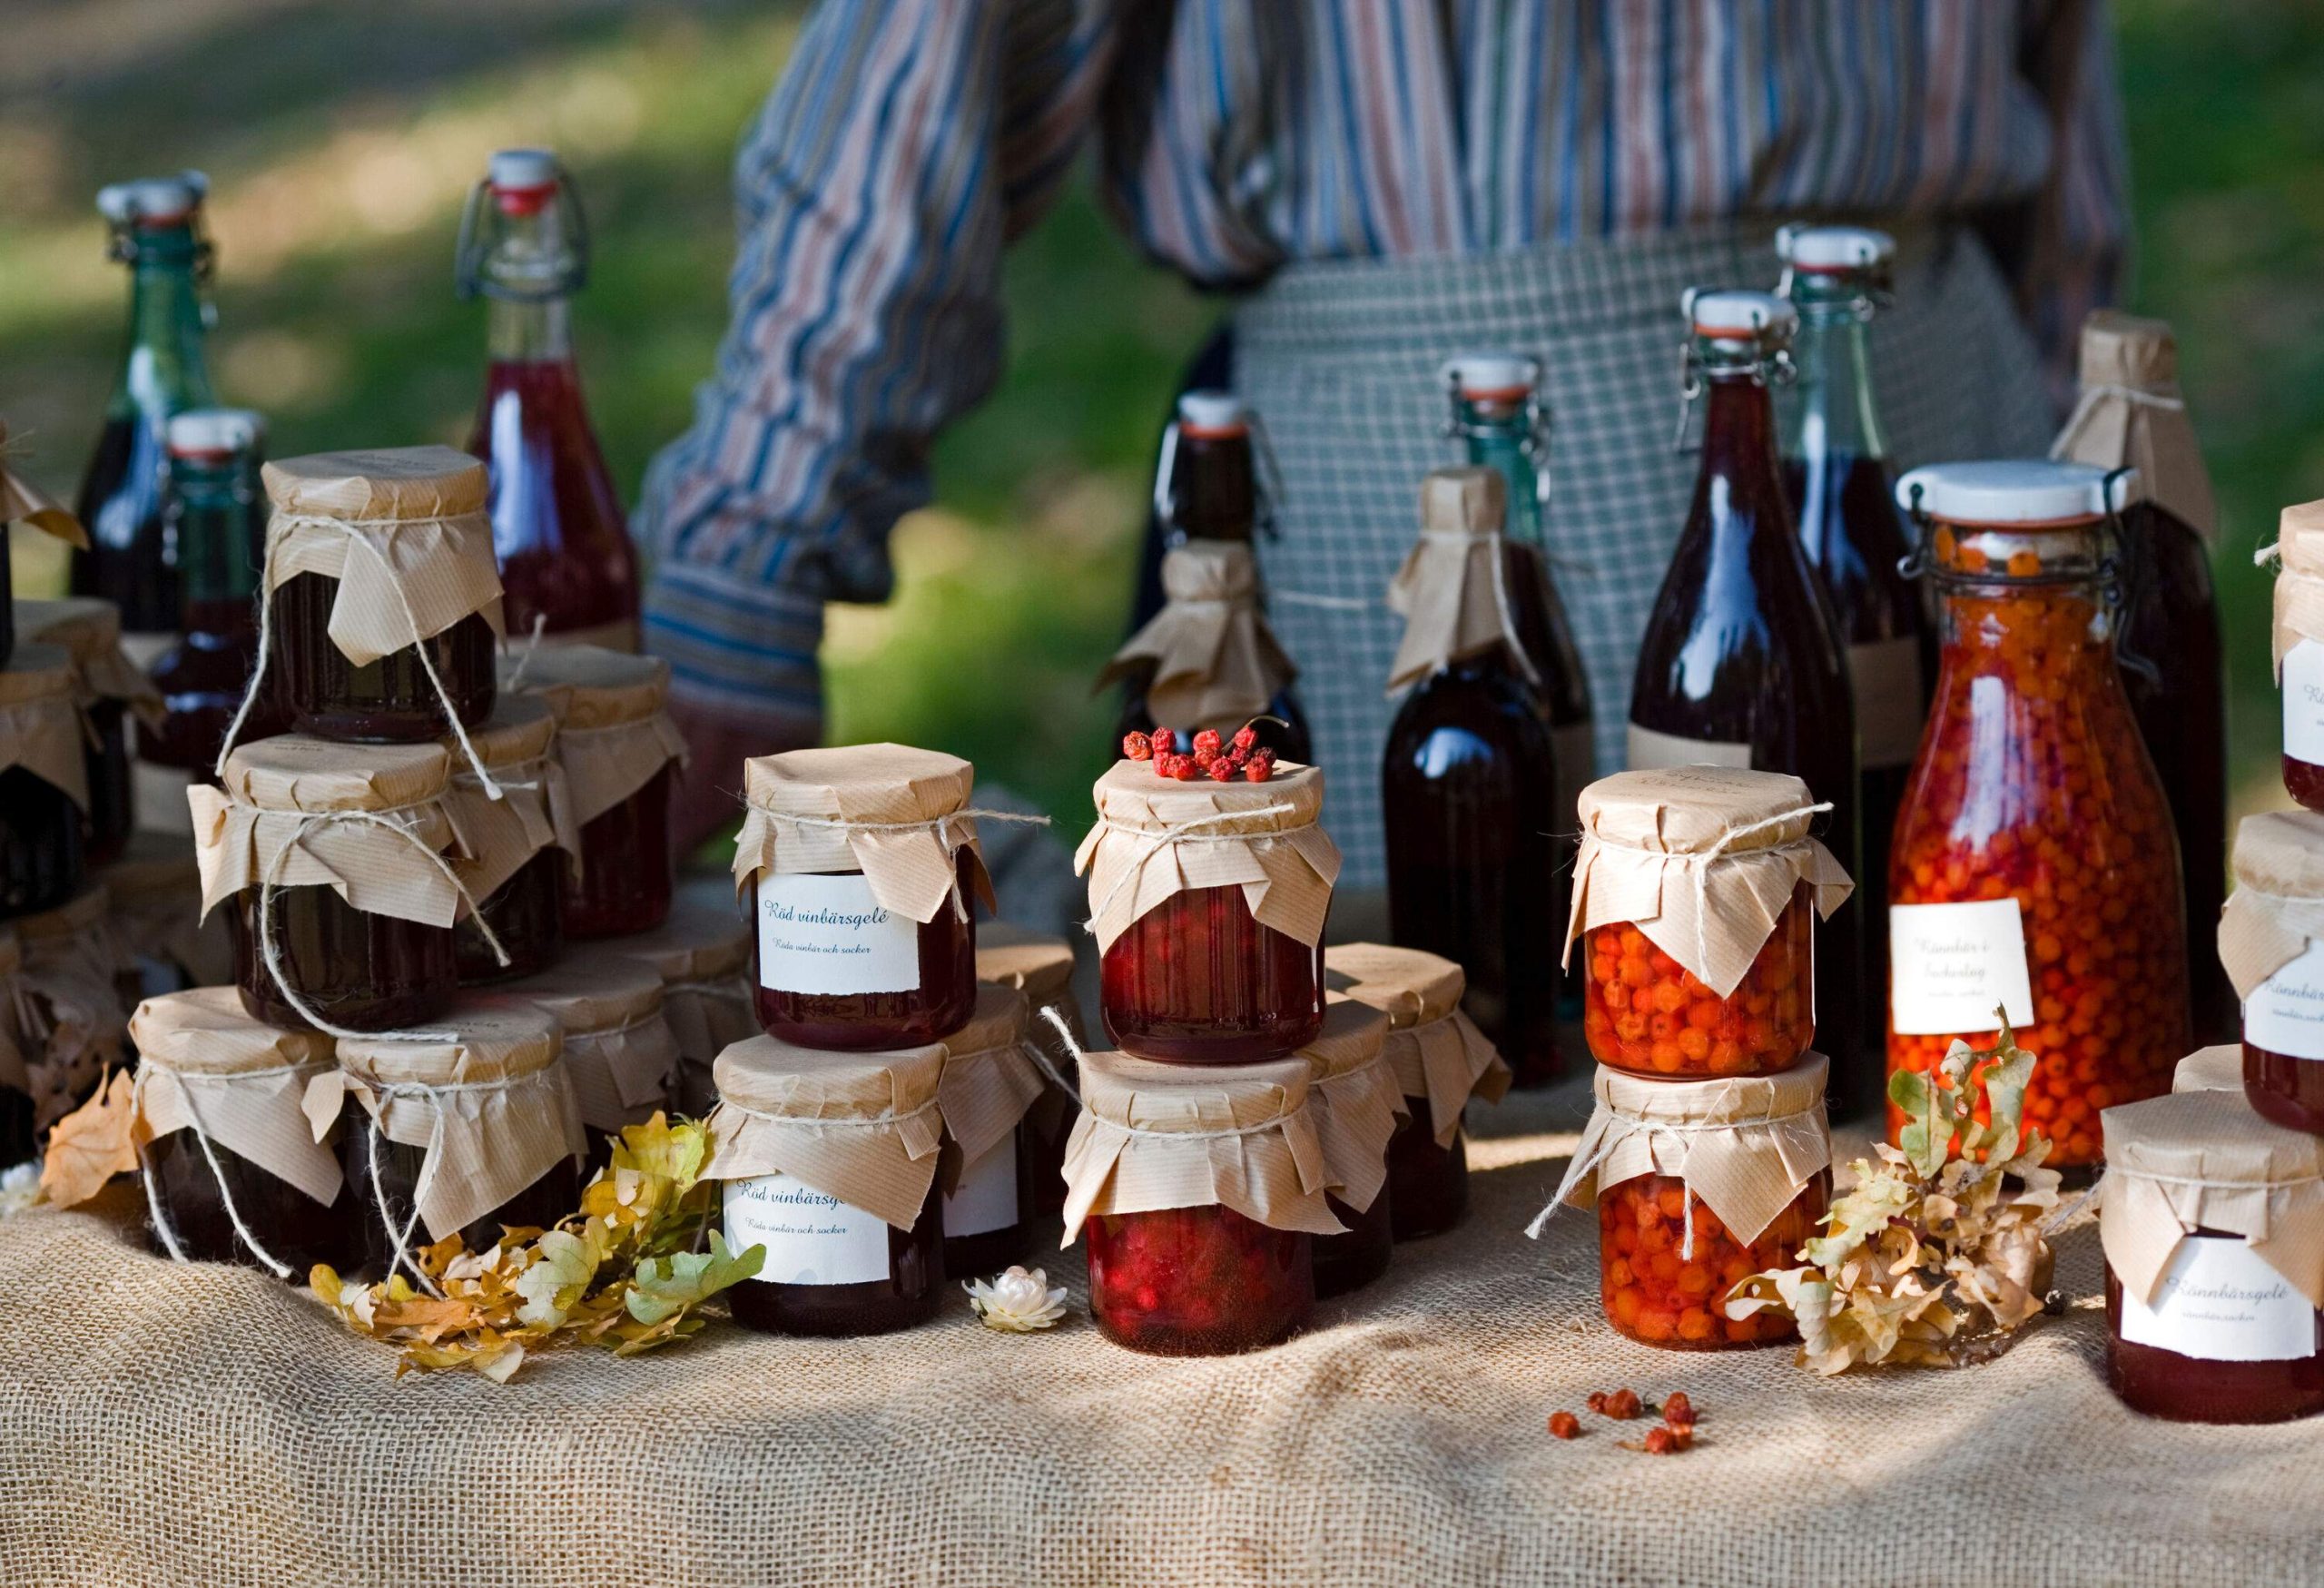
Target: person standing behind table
pixel 1383 184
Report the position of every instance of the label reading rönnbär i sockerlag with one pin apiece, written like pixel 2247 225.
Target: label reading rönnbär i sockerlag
pixel 828 935
pixel 1951 965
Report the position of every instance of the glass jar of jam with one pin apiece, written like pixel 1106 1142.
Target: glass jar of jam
pixel 620 753
pixel 1178 1271
pixel 2035 869
pixel 618 1050
pixel 2210 1216
pixel 1357 1105
pixel 514 850
pixel 829 1164
pixel 2264 944
pixel 16 1080
pixel 233 1173
pixel 69 1003
pixel 1222 974
pixel 155 890
pixel 1666 1263
pixel 859 862
pixel 2299 649
pixel 339 846
pixel 106 686
pixel 1698 890
pixel 701 951
pixel 479 1123
pixel 989 1082
pixel 44 782
pixel 1441 1061
pixel 1041 968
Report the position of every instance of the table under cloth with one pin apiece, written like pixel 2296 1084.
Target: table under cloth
pixel 206 1425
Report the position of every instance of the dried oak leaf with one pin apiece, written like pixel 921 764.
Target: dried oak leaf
pixel 92 1144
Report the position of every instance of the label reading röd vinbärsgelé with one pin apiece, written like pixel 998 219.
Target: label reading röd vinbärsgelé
pixel 827 935
pixel 810 1237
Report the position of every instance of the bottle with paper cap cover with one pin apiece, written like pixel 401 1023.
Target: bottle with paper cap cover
pixel 1470 772
pixel 566 564
pixel 1742 664
pixel 132 560
pixel 1843 494
pixel 2033 867
pixel 1207 489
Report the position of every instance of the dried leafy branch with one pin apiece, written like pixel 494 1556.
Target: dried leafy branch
pixel 1935 1257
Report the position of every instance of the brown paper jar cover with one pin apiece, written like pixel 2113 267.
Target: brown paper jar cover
pixel 1352 1092
pixel 155 890
pixel 204 1064
pixel 2218 1069
pixel 1436 1050
pixel 702 953
pixel 619 1050
pixel 402 530
pixel 893 812
pixel 22 501
pixel 1703 860
pixel 75 1025
pixel 492 1104
pixel 493 838
pixel 2205 1160
pixel 1156 838
pixel 40 721
pixel 1215 663
pixel 2278 907
pixel 1037 964
pixel 306 803
pixel 865 1128
pixel 2299 581
pixel 989 1080
pixel 614 730
pixel 1745 1146
pixel 2131 413
pixel 1153 1137
pixel 89 630
pixel 1452 589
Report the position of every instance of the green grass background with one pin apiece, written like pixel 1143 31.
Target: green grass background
pixel 340 140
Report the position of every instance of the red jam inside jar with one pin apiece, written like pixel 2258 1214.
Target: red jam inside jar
pixel 835 1011
pixel 1658 1292
pixel 627 871
pixel 1197 980
pixel 1197 1281
pixel 389 701
pixel 365 972
pixel 1644 1013
pixel 526 913
pixel 554 1194
pixel 906 1294
pixel 2164 1383
pixel 296 1230
pixel 2284 1088
pixel 1428 1185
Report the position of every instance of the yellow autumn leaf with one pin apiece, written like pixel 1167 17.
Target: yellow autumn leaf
pixel 92 1144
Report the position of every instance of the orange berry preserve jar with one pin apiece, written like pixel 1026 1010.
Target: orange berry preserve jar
pixel 2035 869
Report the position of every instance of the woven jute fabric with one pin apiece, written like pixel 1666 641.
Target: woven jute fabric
pixel 210 1425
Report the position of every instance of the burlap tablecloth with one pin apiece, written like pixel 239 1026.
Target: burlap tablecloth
pixel 208 1426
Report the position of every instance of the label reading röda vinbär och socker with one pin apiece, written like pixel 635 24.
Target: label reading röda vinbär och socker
pixel 2219 1301
pixel 1951 965
pixel 810 1238
pixel 2285 1013
pixel 827 935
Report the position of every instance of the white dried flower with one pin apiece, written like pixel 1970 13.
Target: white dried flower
pixel 1019 1302
pixel 19 1189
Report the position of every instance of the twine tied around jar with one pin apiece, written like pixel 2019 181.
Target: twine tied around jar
pixel 161 1224
pixel 1153 841
pixel 386 1091
pixel 940 826
pixel 1049 1012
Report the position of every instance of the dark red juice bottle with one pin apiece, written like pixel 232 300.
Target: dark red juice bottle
pixel 1742 664
pixel 566 564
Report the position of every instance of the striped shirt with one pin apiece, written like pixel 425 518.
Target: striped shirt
pixel 908 140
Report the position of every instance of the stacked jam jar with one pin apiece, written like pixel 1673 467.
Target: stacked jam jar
pixel 1707 1157
pixel 1231 1155
pixel 873 1136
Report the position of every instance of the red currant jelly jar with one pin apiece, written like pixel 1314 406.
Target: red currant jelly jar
pixel 1179 1278
pixel 1357 1104
pixel 2214 1268
pixel 1229 972
pixel 830 1163
pixel 2299 649
pixel 620 753
pixel 701 951
pixel 618 1047
pixel 107 686
pixel 44 782
pixel 2264 944
pixel 990 1082
pixel 517 844
pixel 383 603
pixel 860 863
pixel 1041 968
pixel 332 855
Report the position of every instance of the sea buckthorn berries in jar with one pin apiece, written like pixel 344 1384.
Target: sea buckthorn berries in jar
pixel 621 753
pixel 2212 1221
pixel 73 1019
pixel 858 864
pixel 830 1163
pixel 1441 1060
pixel 1352 1092
pixel 1699 1184
pixel 107 686
pixel 343 900
pixel 1041 968
pixel 1201 1191
pixel 2034 870
pixel 517 840
pixel 2277 966
pixel 383 601
pixel 1694 899
pixel 618 1050
pixel 701 951
pixel 2299 649
pixel 1208 901
pixel 44 782
pixel 477 1121
pixel 990 1084
pixel 233 1173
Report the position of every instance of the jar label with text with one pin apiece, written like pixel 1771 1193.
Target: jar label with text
pixel 2285 1013
pixel 2304 702
pixel 2221 1302
pixel 1650 749
pixel 810 1238
pixel 827 935
pixel 1885 677
pixel 986 1199
pixel 1950 966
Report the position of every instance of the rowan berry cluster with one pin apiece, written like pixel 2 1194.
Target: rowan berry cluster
pixel 1209 753
pixel 1676 1432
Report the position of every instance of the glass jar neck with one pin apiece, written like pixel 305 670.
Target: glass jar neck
pixel 529 275
pixel 1499 436
pixel 2025 588
pixel 220 530
pixel 1831 411
pixel 1216 487
pixel 166 368
pixel 1739 434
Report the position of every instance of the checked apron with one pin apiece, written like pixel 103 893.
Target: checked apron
pixel 1340 360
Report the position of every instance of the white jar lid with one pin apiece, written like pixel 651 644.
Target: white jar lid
pixel 2014 490
pixel 1504 376
pixel 1733 314
pixel 522 170
pixel 152 201
pixel 1210 409
pixel 203 432
pixel 1833 247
